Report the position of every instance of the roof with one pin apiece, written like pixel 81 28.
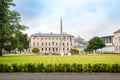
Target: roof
pixel 49 35
pixel 107 36
pixel 118 31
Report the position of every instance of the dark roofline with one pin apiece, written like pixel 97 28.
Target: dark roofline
pixel 49 34
pixel 107 36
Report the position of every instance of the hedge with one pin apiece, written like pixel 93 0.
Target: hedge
pixel 60 67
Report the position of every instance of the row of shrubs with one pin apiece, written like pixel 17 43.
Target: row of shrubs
pixel 60 68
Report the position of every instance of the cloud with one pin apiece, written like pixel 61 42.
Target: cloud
pixel 86 18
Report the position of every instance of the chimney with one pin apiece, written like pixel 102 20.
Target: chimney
pixel 61 26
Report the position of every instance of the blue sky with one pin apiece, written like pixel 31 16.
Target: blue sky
pixel 86 18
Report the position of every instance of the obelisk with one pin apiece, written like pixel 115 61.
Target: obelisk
pixel 61 36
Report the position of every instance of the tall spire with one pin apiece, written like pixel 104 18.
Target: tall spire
pixel 61 33
pixel 61 26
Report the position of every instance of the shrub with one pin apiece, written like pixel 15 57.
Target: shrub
pixel 17 68
pixel 29 67
pixel 60 68
pixel 5 68
pixel 115 68
pixel 40 68
pixel 35 50
pixel 74 51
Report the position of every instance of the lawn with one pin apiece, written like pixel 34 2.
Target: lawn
pixel 81 59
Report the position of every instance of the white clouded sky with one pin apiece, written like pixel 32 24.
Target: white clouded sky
pixel 86 18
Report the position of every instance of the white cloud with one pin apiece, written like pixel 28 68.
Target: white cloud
pixel 77 20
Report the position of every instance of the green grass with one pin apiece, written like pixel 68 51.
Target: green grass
pixel 81 59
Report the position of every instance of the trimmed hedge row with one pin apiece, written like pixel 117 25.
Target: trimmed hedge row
pixel 60 68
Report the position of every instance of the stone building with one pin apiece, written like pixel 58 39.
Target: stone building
pixel 112 43
pixel 116 41
pixel 52 43
pixel 79 44
pixel 110 48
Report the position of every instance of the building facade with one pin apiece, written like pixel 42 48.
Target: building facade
pixel 112 43
pixel 79 44
pixel 110 48
pixel 51 43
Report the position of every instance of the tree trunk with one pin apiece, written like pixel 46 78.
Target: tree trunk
pixel 0 52
pixel 94 51
pixel 1 47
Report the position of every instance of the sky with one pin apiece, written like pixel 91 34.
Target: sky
pixel 84 18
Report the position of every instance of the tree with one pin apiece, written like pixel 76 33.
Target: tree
pixel 11 45
pixel 20 47
pixel 74 51
pixel 94 44
pixel 22 41
pixel 9 23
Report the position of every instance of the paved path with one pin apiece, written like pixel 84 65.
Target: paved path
pixel 59 76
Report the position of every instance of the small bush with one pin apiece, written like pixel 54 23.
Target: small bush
pixel 29 67
pixel 17 68
pixel 40 68
pixel 74 51
pixel 35 50
pixel 5 68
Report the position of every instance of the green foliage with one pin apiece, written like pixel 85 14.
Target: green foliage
pixel 17 68
pixel 60 68
pixel 22 41
pixel 74 51
pixel 5 68
pixel 35 50
pixel 9 26
pixel 94 44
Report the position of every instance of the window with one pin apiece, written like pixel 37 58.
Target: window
pixel 45 38
pixel 52 38
pixel 37 38
pixel 34 43
pixel 42 49
pixel 49 44
pixel 41 38
pixel 56 38
pixel 53 43
pixel 34 38
pixel 67 44
pixel 67 49
pixel 56 49
pixel 59 43
pixel 38 43
pixel 63 49
pixel 56 44
pixel 45 49
pixel 42 44
pixel 49 49
pixel 49 38
pixel 53 49
pixel 63 44
pixel 67 38
pixel 70 39
pixel 46 44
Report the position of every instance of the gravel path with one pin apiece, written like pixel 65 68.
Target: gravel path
pixel 59 76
